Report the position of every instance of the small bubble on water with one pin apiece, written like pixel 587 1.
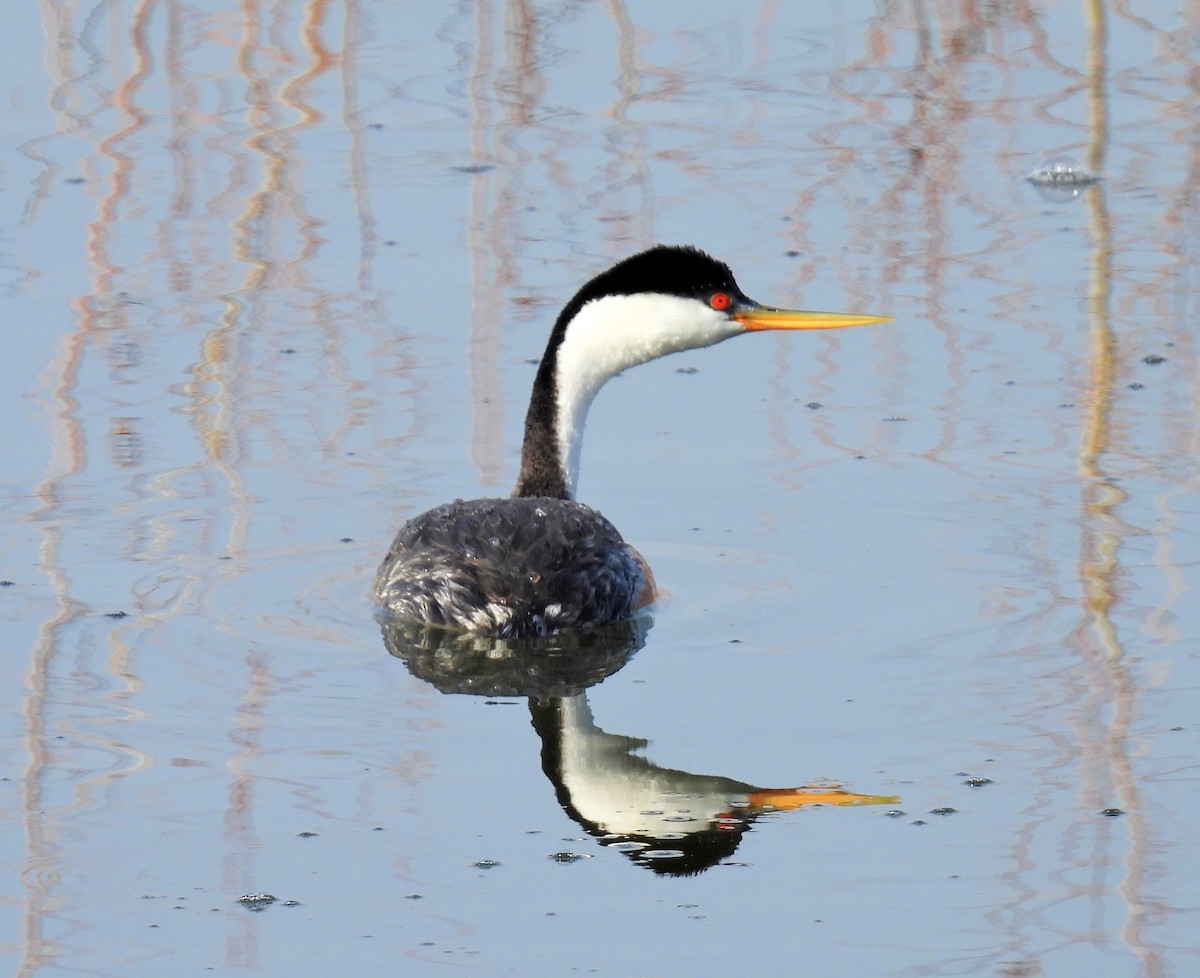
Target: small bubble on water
pixel 945 810
pixel 977 782
pixel 486 863
pixel 1112 812
pixel 894 813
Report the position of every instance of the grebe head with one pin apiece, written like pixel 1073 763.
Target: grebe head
pixel 664 300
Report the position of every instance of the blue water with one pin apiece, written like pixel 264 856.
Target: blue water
pixel 273 279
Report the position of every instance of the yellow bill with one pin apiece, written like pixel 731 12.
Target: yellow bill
pixel 766 317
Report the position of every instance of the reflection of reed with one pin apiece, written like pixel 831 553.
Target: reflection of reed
pixel 509 99
pixel 139 282
pixel 99 317
pixel 932 185
pixel 489 255
pixel 896 166
pixel 1104 718
pixel 628 223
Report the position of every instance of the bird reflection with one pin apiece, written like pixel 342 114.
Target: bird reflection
pixel 563 664
pixel 672 822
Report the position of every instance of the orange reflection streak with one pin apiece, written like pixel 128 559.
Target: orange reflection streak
pixel 1111 684
pixel 789 799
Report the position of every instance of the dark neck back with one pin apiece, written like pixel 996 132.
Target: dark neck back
pixel 542 472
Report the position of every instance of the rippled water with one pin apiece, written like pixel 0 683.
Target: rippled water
pixel 273 279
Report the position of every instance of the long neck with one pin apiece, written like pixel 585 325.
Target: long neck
pixel 604 337
pixel 566 383
pixel 543 465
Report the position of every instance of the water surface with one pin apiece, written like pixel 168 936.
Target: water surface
pixel 274 277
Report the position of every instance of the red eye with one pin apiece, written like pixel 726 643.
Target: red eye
pixel 720 301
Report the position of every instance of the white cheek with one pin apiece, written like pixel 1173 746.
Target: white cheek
pixel 615 333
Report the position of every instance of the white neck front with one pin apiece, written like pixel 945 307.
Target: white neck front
pixel 617 332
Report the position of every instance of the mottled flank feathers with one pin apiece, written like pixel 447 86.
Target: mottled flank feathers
pixel 514 568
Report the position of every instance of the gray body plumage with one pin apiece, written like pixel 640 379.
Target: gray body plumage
pixel 510 567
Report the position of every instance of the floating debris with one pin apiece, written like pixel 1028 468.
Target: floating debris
pixel 256 901
pixel 1061 179
pixel 569 857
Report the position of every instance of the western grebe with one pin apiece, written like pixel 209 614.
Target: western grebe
pixel 540 562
